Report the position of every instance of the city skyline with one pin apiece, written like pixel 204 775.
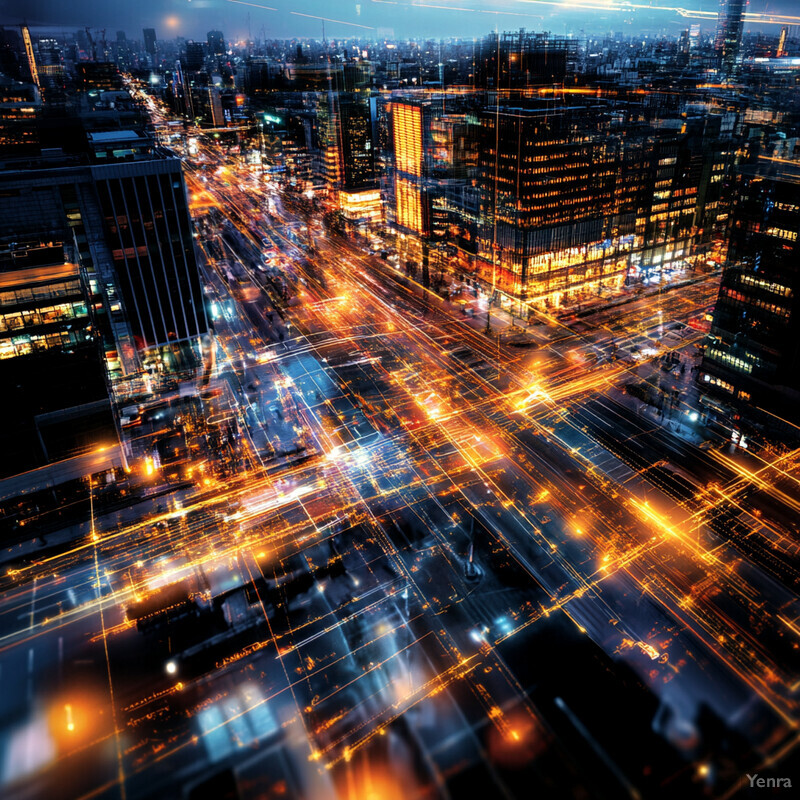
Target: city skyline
pixel 392 418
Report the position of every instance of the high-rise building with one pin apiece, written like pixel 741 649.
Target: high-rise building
pixel 730 24
pixel 410 199
pixel 122 206
pixel 150 42
pixel 522 60
pixel 781 51
pixel 556 214
pixel 430 145
pixel 341 134
pixel 195 56
pixel 216 43
pixel 182 93
pixel 353 153
pixel 356 156
pixel 752 355
pixel 51 66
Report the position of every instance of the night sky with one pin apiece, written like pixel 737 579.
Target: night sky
pixel 399 18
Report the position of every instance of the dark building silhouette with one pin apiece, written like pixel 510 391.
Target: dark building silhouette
pixel 216 43
pixel 522 60
pixel 99 76
pixel 357 162
pixel 150 41
pixel 195 56
pixel 10 52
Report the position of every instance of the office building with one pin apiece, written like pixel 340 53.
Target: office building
pixel 20 105
pixel 410 206
pixel 54 386
pixel 122 204
pixel 43 304
pixel 149 35
pixel 556 213
pixel 521 60
pixel 195 56
pixel 353 164
pixel 355 152
pixel 728 41
pixel 216 43
pixel 781 49
pixel 99 76
pixel 752 355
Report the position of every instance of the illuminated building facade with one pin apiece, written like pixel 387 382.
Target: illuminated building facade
pixel 728 41
pixel 582 196
pixel 409 196
pixel 752 355
pixel 20 105
pixel 556 216
pixel 30 56
pixel 361 206
pixel 781 49
pixel 345 141
pixel 51 67
pixel 684 204
pixel 43 305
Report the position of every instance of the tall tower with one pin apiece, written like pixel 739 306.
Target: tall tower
pixel 26 39
pixel 730 23
pixel 782 41
pixel 150 44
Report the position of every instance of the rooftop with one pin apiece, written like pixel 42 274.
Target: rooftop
pixel 115 136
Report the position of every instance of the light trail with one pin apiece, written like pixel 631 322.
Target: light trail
pixel 447 448
pixel 338 21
